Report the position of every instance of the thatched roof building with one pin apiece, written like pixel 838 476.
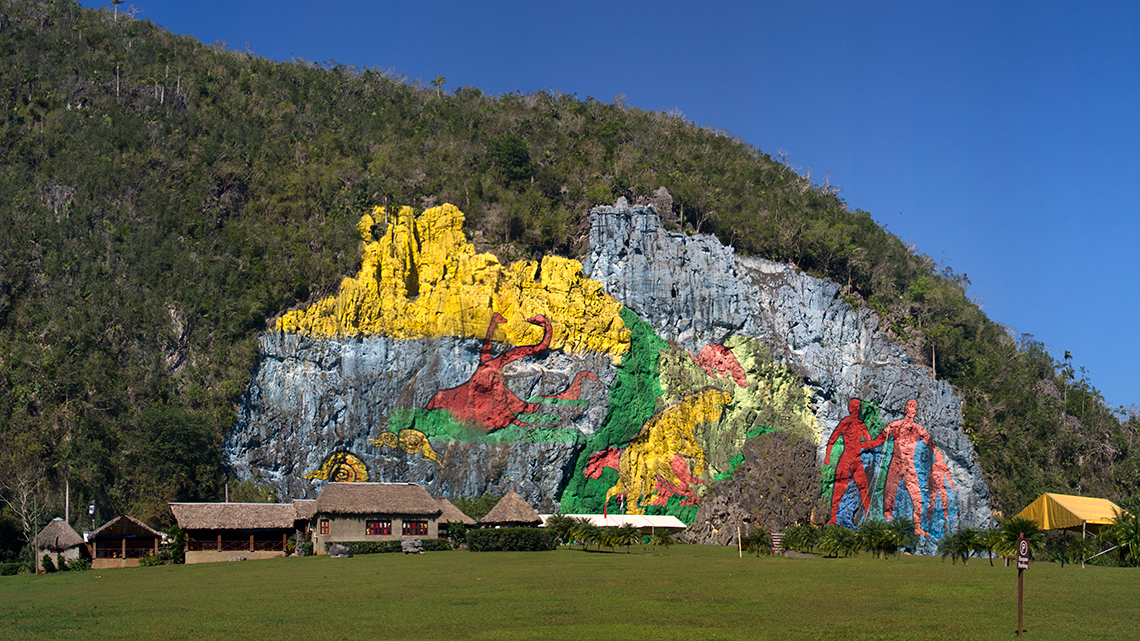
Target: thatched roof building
pixel 58 536
pixel 512 511
pixel 121 542
pixel 306 508
pixel 58 540
pixel 376 498
pixel 125 522
pixel 452 514
pixel 234 516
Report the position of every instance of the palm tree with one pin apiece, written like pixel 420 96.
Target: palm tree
pixel 626 535
pixel 991 539
pixel 584 531
pixel 1125 532
pixel 1024 527
pixel 836 538
pixel 801 538
pixel 663 539
pixel 904 536
pixel 562 527
pixel 876 537
pixel 946 548
pixel 759 540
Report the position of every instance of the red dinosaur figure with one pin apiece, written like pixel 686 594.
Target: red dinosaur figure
pixel 485 397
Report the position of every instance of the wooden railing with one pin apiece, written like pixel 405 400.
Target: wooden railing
pixel 241 545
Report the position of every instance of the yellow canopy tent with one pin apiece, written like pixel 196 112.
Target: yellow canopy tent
pixel 1062 512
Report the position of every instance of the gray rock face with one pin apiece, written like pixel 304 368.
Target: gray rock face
pixel 309 398
pixel 412 546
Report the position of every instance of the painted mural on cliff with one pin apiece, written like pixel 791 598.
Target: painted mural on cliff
pixel 647 423
pixel 627 383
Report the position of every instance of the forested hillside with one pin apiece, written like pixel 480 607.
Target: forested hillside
pixel 164 198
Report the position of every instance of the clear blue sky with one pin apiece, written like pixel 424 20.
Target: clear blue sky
pixel 1001 138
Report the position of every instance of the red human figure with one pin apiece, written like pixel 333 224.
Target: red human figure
pixel 907 434
pixel 485 397
pixel 850 466
pixel 939 479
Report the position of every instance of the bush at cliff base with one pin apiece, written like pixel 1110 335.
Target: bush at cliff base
pixel 511 539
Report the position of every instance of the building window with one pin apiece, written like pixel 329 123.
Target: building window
pixel 377 527
pixel 415 528
pixel 324 526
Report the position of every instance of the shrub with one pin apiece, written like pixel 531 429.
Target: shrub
pixel 307 548
pixel 177 545
pixel 150 560
pixel 80 564
pixel 372 547
pixel 511 539
pixel 435 545
pixel 10 569
pixel 47 564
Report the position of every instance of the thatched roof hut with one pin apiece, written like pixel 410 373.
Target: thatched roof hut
pixel 125 522
pixel 234 516
pixel 512 511
pixel 58 536
pixel 376 498
pixel 306 508
pixel 452 514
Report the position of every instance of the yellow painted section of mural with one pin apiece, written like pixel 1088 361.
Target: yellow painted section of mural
pixel 667 450
pixel 409 440
pixel 422 279
pixel 340 467
pixel 773 396
pixel 778 395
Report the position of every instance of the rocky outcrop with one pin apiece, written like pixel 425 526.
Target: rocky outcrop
pixel 724 349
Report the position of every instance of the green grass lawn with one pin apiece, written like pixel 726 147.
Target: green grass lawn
pixel 686 592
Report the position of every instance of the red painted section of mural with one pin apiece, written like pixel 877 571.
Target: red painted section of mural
pixel 666 489
pixel 907 434
pixel 939 479
pixel 856 438
pixel 600 460
pixel 718 360
pixel 485 397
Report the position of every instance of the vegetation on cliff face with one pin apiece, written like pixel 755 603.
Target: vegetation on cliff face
pixel 164 198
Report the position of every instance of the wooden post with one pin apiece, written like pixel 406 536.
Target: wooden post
pixel 124 548
pixel 284 542
pixel 219 542
pixel 251 542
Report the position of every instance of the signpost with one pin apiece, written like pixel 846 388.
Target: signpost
pixel 1022 565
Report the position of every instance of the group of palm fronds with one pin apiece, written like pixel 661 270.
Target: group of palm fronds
pixel 572 530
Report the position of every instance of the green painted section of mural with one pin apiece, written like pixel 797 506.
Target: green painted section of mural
pixel 750 396
pixel 633 400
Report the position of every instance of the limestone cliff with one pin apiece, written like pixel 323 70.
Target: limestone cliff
pixel 635 380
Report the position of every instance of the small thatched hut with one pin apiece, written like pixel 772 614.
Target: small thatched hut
pixel 451 514
pixel 512 511
pixel 374 512
pixel 221 531
pixel 58 539
pixel 122 542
